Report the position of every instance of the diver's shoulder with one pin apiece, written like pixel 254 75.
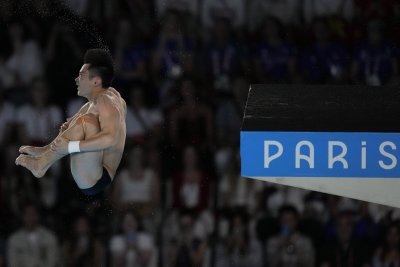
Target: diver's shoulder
pixel 110 95
pixel 115 92
pixel 112 90
pixel 116 98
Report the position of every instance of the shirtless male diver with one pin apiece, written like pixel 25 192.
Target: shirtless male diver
pixel 94 137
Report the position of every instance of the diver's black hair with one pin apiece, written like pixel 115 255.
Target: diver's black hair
pixel 101 64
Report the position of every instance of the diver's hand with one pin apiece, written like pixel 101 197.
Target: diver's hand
pixel 60 145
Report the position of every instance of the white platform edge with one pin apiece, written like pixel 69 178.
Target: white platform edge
pixel 385 191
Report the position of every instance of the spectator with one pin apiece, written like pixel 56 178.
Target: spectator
pixel 241 87
pixel 274 59
pixel 133 247
pixel 142 12
pixel 88 9
pixel 39 120
pixel 189 11
pixel 345 250
pixel 239 247
pixel 191 123
pixel 388 254
pixel 172 50
pixel 137 187
pixel 43 8
pixel 189 247
pixel 130 56
pixel 39 20
pixel 184 6
pixel 33 245
pixel 228 130
pixel 288 12
pixel 79 7
pixel 222 159
pixel 374 60
pixel 222 57
pixel 191 184
pixel 6 11
pixel 310 223
pixel 236 191
pixel 82 248
pixel 7 119
pixel 325 8
pixel 142 123
pixel 24 64
pixel 370 9
pixel 289 248
pixel 325 61
pixel 365 229
pixel 285 195
pixel 233 10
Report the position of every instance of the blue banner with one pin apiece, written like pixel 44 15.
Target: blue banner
pixel 320 154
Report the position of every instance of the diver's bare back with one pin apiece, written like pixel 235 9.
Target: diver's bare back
pixel 112 156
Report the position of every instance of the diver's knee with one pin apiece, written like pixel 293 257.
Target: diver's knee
pixel 90 118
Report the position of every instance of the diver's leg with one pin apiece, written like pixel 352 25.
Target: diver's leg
pixel 37 150
pixel 86 125
pixel 87 167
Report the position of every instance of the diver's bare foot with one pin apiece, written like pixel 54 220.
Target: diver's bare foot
pixel 33 164
pixel 32 150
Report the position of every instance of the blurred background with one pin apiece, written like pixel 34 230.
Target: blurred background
pixel 184 68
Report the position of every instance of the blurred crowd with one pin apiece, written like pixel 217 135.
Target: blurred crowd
pixel 184 68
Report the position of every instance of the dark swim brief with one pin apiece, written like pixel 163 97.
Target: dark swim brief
pixel 101 184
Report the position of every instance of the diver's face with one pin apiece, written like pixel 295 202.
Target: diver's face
pixel 84 82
